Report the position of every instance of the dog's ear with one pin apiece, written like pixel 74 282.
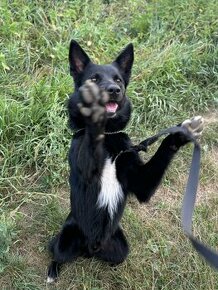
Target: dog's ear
pixel 124 62
pixel 78 60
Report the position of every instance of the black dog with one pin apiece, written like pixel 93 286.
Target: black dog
pixel 104 167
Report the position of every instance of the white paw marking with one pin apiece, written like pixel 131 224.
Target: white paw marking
pixel 50 280
pixel 111 191
pixel 194 125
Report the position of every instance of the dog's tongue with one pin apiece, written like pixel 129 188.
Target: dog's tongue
pixel 111 107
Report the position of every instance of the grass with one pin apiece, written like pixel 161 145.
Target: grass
pixel 175 76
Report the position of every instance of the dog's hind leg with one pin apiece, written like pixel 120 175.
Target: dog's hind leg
pixel 65 247
pixel 53 271
pixel 115 250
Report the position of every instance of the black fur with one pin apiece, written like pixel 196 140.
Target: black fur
pixel 89 229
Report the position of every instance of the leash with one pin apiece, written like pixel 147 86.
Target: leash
pixel 211 256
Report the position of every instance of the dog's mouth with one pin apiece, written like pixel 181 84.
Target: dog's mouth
pixel 111 107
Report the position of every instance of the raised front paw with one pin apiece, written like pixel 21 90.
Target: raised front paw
pixel 193 129
pixel 93 100
pixel 194 125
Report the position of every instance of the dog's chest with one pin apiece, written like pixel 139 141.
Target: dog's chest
pixel 111 193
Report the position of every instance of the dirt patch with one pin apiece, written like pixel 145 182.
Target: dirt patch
pixel 35 230
pixel 211 117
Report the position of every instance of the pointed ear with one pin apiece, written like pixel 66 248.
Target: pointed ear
pixel 78 59
pixel 124 62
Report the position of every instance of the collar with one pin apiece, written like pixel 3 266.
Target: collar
pixel 106 133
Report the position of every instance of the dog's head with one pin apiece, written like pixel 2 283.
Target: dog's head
pixel 112 78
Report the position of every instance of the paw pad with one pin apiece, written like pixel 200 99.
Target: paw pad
pixel 93 100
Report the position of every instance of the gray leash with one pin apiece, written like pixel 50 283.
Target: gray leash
pixel 189 199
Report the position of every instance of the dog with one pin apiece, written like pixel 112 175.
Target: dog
pixel 104 167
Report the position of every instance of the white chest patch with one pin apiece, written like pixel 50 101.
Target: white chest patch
pixel 111 191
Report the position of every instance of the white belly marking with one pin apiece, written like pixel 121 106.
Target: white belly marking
pixel 111 191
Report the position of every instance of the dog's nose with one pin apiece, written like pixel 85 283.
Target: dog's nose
pixel 113 89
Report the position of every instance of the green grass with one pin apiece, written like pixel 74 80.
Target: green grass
pixel 175 76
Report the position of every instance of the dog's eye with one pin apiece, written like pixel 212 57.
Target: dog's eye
pixel 117 80
pixel 94 78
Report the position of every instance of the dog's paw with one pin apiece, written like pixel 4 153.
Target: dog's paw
pixel 50 280
pixel 194 125
pixel 93 100
pixel 193 129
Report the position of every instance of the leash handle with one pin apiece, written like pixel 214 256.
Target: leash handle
pixel 190 194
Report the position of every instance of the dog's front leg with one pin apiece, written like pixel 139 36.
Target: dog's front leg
pixel 143 179
pixel 92 106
